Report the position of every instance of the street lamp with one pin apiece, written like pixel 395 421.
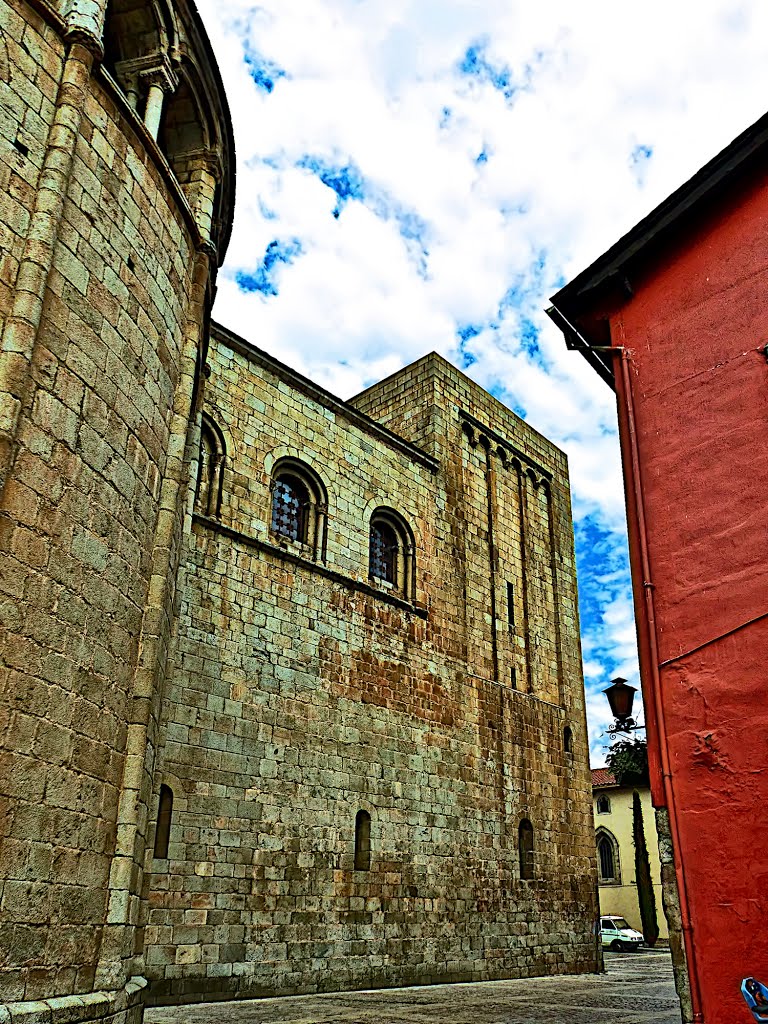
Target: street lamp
pixel 620 697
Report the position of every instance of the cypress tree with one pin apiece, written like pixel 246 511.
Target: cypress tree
pixel 646 897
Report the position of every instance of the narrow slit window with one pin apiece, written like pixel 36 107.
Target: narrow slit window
pixel 568 740
pixel 525 846
pixel 163 830
pixel 362 841
pixel 513 677
pixel 511 605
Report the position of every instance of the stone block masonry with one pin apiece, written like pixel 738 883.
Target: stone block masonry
pixel 103 280
pixel 306 690
pixel 290 687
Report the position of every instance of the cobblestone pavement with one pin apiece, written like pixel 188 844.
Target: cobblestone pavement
pixel 637 988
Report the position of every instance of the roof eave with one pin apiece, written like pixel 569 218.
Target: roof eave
pixel 579 296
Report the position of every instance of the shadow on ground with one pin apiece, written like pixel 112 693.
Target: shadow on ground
pixel 637 988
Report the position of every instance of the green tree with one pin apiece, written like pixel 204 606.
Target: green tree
pixel 627 761
pixel 646 897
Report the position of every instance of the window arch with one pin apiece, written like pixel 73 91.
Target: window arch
pixel 138 36
pixel 210 469
pixel 185 130
pixel 607 857
pixel 525 848
pixel 362 841
pixel 163 829
pixel 391 551
pixel 603 805
pixel 298 507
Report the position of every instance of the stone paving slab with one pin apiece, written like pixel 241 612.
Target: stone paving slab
pixel 637 988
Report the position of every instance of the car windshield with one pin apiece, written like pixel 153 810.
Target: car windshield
pixel 619 922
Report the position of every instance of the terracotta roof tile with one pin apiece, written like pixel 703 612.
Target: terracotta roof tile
pixel 602 777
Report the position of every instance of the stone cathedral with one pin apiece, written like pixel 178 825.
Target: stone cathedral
pixel 290 687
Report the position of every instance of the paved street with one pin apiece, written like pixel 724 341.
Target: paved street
pixel 636 989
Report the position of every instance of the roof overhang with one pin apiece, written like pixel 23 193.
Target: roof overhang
pixel 575 303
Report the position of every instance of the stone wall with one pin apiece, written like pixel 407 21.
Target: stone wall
pixel 304 691
pixel 97 288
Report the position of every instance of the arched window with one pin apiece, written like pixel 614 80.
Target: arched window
pixel 390 552
pixel 210 470
pixel 362 841
pixel 603 805
pixel 607 857
pixel 163 830
pixel 138 37
pixel 568 740
pixel 298 507
pixel 525 847
pixel 290 509
pixel 384 551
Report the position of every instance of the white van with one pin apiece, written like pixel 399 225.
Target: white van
pixel 616 934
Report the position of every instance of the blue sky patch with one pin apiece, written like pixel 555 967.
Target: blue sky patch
pixel 348 182
pixel 263 279
pixel 345 180
pixel 266 212
pixel 602 565
pixel 465 332
pixel 640 155
pixel 639 158
pixel 265 73
pixel 476 64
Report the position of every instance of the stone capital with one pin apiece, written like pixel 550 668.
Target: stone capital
pixel 160 73
pixel 152 69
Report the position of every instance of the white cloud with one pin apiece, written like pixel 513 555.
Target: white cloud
pixel 377 88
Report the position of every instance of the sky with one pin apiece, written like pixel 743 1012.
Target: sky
pixel 418 175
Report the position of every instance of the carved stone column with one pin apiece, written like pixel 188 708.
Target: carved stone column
pixel 160 80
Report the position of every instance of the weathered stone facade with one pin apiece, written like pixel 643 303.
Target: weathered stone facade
pixel 305 690
pixel 108 260
pixel 347 747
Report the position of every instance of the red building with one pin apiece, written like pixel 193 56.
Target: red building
pixel 674 317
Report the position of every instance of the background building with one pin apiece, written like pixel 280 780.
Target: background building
pixel 291 687
pixel 673 316
pixel 616 878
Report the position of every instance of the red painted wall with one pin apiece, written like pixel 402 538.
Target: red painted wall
pixel 694 331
